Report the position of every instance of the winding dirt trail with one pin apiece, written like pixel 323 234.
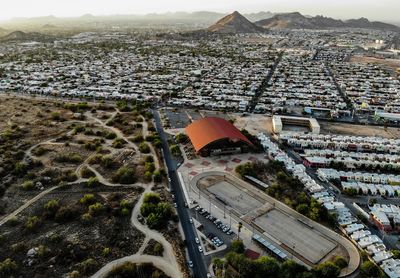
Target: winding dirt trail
pixel 167 263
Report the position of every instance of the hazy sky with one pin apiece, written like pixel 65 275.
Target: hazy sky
pixel 373 9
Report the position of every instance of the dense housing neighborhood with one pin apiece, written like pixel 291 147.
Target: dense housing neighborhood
pixel 254 147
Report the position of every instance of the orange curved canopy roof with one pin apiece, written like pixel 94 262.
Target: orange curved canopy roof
pixel 208 130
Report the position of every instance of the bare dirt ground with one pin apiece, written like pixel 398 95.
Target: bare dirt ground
pixel 46 147
pixel 391 64
pixel 359 130
pixel 64 240
pixel 254 123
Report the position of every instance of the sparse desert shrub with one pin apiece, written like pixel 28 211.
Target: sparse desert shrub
pixel 8 268
pixel 28 185
pixel 124 175
pixel 95 159
pixel 144 148
pixel 68 158
pixel 87 218
pixel 19 247
pixel 106 251
pixel 137 139
pixel 96 209
pixel 32 223
pixel 110 136
pixel 107 162
pixel 51 208
pixel 87 173
pixel 87 266
pixel 39 151
pixel 158 249
pixel 87 199
pixel 66 213
pixel 93 182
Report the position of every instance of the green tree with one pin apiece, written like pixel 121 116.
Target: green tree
pixel 125 175
pixel 246 169
pixel 175 150
pixel 181 138
pixel 151 197
pixel 340 262
pixel 396 254
pixel 291 269
pixel 370 270
pixel 237 246
pixel 267 267
pixel 303 209
pixel 327 270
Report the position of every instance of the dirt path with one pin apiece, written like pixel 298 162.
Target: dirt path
pixel 169 253
pixel 167 263
pixel 158 262
pixel 146 133
pixel 27 204
pixel 113 129
pixel 107 183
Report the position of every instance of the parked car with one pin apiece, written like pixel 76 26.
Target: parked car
pixel 190 263
pixel 200 249
pixel 191 220
pixel 197 240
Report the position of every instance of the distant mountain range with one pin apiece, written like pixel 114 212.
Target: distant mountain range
pixel 218 22
pixel 235 23
pixel 298 21
pixel 20 36
pixel 200 18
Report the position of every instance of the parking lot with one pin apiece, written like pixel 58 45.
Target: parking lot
pixel 177 118
pixel 195 115
pixel 305 241
pixel 210 228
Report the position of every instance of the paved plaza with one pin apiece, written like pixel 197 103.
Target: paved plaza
pixel 295 235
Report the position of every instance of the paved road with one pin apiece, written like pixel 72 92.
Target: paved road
pixel 199 268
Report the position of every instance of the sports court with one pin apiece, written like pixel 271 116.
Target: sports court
pixel 238 198
pixel 296 235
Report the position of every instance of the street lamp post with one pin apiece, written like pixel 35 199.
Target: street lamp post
pixel 209 198
pixel 230 219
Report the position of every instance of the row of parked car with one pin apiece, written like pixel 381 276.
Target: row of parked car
pixel 215 240
pixel 225 228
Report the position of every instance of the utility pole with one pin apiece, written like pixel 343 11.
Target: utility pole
pixel 209 198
